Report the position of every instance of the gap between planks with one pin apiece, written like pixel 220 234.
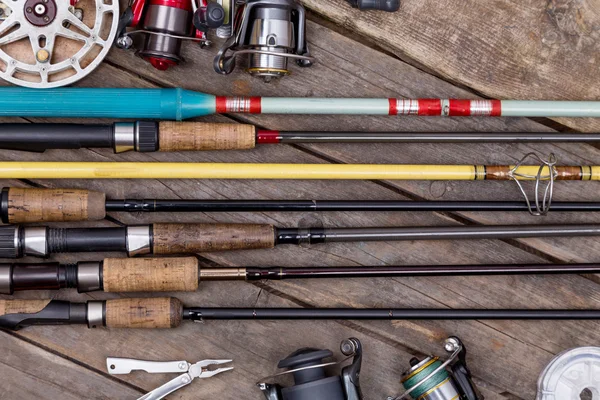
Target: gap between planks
pixel 326 158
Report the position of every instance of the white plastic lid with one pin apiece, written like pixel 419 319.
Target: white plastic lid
pixel 569 374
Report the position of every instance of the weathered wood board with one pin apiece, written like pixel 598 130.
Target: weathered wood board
pixel 428 49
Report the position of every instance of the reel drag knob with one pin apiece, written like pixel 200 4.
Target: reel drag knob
pixel 311 382
pixel 210 17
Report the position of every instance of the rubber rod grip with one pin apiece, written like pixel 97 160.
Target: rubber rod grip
pixel 172 104
pixel 192 136
pixel 41 137
pixel 193 238
pixel 157 312
pixel 22 306
pixel 26 205
pixel 41 276
pixel 150 274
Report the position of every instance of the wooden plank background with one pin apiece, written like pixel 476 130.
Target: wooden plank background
pixel 533 49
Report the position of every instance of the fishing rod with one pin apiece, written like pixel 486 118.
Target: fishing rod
pixel 179 104
pixel 27 205
pixel 17 240
pixel 165 170
pixel 185 274
pixel 148 136
pixel 546 171
pixel 169 312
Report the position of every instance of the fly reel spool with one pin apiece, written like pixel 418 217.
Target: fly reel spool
pixel 571 375
pixel 53 43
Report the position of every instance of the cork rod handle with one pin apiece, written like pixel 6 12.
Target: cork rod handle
pixel 150 274
pixel 54 205
pixel 157 312
pixel 22 306
pixel 191 136
pixel 193 238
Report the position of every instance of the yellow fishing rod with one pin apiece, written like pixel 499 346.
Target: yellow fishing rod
pixel 545 171
pixel 161 170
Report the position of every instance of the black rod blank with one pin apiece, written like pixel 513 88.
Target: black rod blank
pixel 459 232
pixel 433 137
pixel 161 205
pixel 196 314
pixel 279 273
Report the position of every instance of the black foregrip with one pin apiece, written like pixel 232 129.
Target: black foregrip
pixel 55 313
pixel 42 276
pixel 41 137
pixel 75 240
pixel 381 5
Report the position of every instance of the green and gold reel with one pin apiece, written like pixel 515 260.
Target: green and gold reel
pixel 434 379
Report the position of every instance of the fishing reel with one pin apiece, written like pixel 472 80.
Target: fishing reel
pixel 270 32
pixel 311 381
pixel 163 25
pixel 433 379
pixel 51 43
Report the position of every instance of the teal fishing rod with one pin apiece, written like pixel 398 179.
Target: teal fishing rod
pixel 180 104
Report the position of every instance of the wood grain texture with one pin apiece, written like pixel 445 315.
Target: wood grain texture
pixel 182 136
pixel 22 306
pixel 150 274
pixel 159 312
pixel 506 357
pixel 389 346
pixel 54 205
pixel 193 238
pixel 537 49
pixel 30 372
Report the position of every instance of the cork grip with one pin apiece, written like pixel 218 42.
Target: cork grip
pixel 150 274
pixel 193 238
pixel 22 306
pixel 54 205
pixel 182 136
pixel 158 312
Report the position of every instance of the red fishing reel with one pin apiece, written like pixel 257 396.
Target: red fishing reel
pixel 162 26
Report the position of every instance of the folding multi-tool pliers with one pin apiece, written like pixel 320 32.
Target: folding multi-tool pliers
pixel 201 369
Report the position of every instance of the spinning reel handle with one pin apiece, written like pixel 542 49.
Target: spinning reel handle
pixel 462 375
pixel 381 5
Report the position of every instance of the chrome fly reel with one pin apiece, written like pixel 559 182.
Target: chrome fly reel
pixel 53 43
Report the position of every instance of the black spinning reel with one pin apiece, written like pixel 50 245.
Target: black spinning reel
pixel 270 32
pixel 434 379
pixel 311 381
